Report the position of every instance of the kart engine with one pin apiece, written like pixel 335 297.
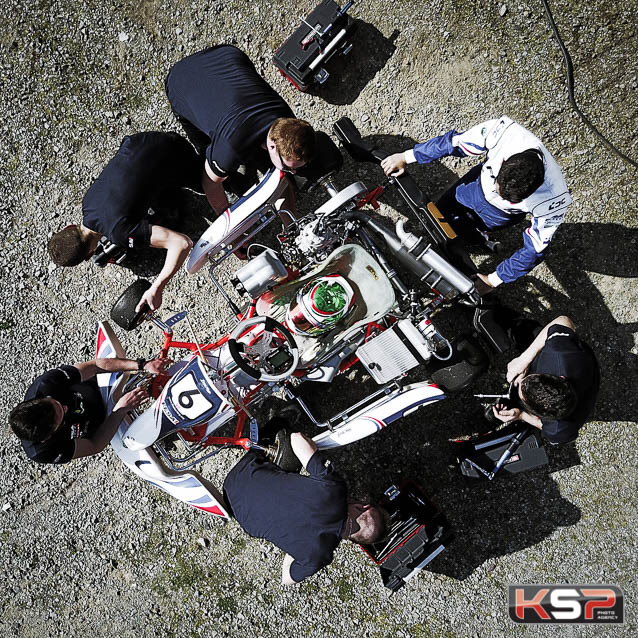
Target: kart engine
pixel 316 239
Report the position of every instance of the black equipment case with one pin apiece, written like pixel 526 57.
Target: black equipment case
pixel 418 532
pixel 484 452
pixel 324 32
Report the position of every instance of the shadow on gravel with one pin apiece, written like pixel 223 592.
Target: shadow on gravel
pixel 370 53
pixel 609 250
pixel 490 519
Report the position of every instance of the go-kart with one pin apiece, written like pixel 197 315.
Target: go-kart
pixel 284 336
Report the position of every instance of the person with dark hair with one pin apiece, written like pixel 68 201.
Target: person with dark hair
pixel 234 117
pixel 558 380
pixel 63 416
pixel 305 516
pixel 141 180
pixel 517 177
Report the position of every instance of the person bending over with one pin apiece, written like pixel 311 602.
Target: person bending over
pixel 558 379
pixel 305 516
pixel 63 416
pixel 145 173
pixel 517 177
pixel 234 117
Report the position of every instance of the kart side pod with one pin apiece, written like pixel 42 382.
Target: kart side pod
pixel 376 416
pixel 237 219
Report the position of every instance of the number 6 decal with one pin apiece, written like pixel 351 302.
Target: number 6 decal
pixel 187 399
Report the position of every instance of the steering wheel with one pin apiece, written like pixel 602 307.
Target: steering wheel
pixel 253 358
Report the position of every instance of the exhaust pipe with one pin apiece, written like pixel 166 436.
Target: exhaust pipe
pixel 419 257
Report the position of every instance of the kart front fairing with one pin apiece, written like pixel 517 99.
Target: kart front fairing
pixel 191 397
pixel 184 485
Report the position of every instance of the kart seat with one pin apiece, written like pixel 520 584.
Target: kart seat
pixel 374 298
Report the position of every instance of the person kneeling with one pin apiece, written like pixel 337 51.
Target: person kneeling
pixel 305 516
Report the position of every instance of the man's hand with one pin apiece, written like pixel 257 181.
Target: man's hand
pixel 286 578
pixel 214 190
pixel 131 400
pixel 394 164
pixel 516 370
pixel 482 283
pixel 152 297
pixel 158 366
pixel 504 414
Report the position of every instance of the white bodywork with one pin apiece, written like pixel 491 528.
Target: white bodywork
pixel 237 219
pixel 381 413
pixel 186 486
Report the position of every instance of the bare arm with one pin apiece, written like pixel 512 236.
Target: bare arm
pixel 177 248
pixel 303 447
pixel 517 367
pixel 394 164
pixel 286 578
pixel 88 369
pixel 212 185
pixel 506 415
pixel 103 434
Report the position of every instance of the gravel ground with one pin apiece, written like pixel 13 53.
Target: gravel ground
pixel 87 549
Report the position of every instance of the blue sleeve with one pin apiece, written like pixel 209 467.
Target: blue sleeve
pixel 437 147
pixel 131 233
pixel 299 570
pixel 321 468
pixel 521 262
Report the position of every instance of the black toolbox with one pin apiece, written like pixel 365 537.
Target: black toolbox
pixel 417 533
pixel 477 458
pixel 325 31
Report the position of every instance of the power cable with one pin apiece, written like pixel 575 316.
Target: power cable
pixel 570 91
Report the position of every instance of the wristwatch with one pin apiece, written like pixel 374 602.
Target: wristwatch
pixel 140 364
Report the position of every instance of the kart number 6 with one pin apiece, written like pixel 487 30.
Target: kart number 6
pixel 187 399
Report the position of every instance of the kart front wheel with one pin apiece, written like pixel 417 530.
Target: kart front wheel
pixel 123 310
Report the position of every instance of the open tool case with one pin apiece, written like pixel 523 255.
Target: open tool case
pixel 478 457
pixel 325 31
pixel 418 532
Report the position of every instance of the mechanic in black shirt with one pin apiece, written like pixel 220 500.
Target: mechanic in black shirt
pixel 145 173
pixel 305 516
pixel 558 380
pixel 63 415
pixel 234 117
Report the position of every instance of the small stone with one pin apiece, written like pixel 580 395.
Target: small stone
pixel 6 507
pixel 203 542
pixel 123 36
pixel 503 10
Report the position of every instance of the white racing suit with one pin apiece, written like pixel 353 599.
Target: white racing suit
pixel 500 139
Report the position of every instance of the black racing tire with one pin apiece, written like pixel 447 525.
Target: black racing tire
pixel 285 458
pixel 123 310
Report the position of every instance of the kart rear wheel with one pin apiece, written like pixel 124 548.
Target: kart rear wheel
pixel 467 363
pixel 123 311
pixel 283 455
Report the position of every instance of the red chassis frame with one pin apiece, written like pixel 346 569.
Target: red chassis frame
pixel 237 439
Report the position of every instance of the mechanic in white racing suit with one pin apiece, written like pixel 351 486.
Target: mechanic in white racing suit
pixel 518 176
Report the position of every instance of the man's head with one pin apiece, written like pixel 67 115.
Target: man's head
pixel 291 143
pixel 547 396
pixel 365 523
pixel 520 175
pixel 72 245
pixel 36 420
